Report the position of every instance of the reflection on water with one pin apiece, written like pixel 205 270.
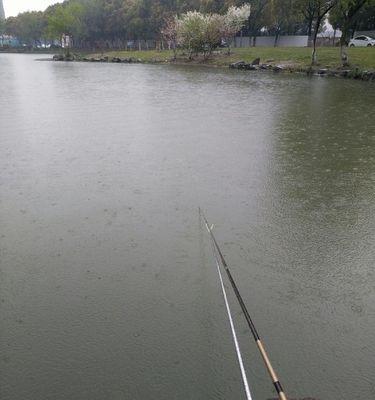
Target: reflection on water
pixel 108 287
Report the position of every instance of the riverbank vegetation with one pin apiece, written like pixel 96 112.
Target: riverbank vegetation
pixel 197 32
pixel 106 24
pixel 291 57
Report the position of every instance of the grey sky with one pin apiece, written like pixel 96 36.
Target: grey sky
pixel 13 7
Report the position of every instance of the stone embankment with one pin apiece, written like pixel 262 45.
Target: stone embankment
pixel 256 65
pixel 104 59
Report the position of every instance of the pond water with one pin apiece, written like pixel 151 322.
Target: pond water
pixel 108 287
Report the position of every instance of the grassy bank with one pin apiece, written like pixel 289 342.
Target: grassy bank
pixel 296 58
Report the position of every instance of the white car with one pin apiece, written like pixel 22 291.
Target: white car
pixel 362 41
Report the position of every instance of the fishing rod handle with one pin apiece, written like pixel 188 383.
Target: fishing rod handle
pixel 271 371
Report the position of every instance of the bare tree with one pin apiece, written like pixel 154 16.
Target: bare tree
pixel 322 8
pixel 347 11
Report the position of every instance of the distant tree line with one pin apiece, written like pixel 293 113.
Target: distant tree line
pixel 94 23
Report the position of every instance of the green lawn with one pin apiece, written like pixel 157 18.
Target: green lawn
pixel 363 58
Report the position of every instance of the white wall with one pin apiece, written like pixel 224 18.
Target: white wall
pixel 269 41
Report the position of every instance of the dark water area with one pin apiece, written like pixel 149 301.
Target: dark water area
pixel 108 287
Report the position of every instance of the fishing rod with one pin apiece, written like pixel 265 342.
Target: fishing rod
pixel 267 362
pixel 234 334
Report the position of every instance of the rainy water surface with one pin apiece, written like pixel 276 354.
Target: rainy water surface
pixel 108 287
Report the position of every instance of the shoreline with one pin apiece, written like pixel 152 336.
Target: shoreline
pixel 277 60
pixel 255 66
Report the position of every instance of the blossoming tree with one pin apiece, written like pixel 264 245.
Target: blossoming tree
pixel 202 33
pixel 233 22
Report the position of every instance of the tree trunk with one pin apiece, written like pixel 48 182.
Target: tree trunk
pixel 253 37
pixel 276 37
pixel 251 40
pixel 344 55
pixel 313 55
pixel 344 44
pixel 229 43
pixel 344 40
pixel 309 30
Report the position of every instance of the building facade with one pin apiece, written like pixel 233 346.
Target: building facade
pixel 2 13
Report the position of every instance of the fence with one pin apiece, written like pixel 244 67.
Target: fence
pixel 326 41
pixel 106 45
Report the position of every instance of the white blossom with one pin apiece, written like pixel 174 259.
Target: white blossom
pixel 200 32
pixel 236 17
